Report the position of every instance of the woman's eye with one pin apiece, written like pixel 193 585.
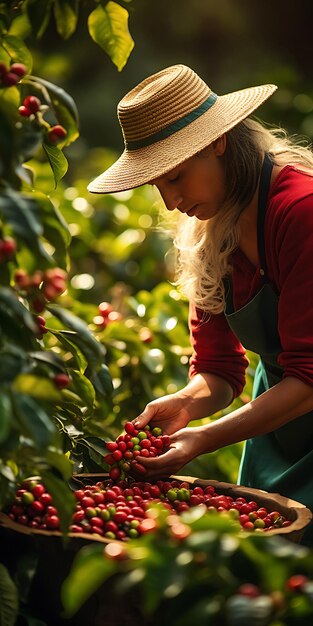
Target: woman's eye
pixel 175 179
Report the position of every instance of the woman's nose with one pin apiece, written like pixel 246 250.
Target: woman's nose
pixel 171 199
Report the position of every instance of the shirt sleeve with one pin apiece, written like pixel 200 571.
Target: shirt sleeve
pixel 216 350
pixel 294 249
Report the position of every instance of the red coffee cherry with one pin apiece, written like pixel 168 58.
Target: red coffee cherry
pixel 19 69
pixel 8 246
pixel 3 70
pixel 22 279
pixel 10 79
pixel 62 380
pixel 56 134
pixel 105 308
pixel 24 111
pixel 32 103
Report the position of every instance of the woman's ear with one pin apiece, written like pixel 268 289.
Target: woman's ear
pixel 219 145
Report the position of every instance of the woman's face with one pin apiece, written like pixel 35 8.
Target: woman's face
pixel 197 186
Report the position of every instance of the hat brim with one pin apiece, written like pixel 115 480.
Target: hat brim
pixel 138 167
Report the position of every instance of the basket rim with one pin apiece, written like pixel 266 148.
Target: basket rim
pixel 302 514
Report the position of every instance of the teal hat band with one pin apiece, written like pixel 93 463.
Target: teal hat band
pixel 174 127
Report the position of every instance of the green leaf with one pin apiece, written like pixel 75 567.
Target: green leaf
pixel 8 598
pixel 61 102
pixel 33 420
pixel 90 569
pixel 83 388
pixel 5 416
pixel 17 50
pixel 63 498
pixel 10 304
pixel 55 229
pixel 48 357
pixel 96 450
pixel 65 338
pixel 12 361
pixel 39 15
pixel 59 461
pixel 83 338
pixel 65 13
pixel 108 27
pixel 57 160
pixel 37 387
pixel 102 381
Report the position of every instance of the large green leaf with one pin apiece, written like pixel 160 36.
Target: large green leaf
pixel 55 229
pixel 84 389
pixel 12 305
pixel 8 598
pixel 63 498
pixel 66 338
pixel 59 461
pixel 65 13
pixel 84 339
pixel 48 357
pixel 102 381
pixel 108 27
pixel 57 160
pixel 13 360
pixel 33 420
pixel 17 50
pixel 5 416
pixel 90 569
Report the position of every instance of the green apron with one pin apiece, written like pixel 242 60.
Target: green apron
pixel 282 460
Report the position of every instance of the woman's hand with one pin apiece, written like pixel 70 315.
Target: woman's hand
pixel 185 445
pixel 168 412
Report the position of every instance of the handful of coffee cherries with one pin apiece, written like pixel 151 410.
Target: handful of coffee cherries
pixel 123 452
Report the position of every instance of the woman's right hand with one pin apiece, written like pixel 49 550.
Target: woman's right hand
pixel 168 412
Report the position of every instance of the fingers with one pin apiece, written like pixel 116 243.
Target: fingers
pixel 144 418
pixel 158 467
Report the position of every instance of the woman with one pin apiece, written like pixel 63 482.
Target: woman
pixel 244 238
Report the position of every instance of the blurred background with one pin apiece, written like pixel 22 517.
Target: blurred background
pixel 231 45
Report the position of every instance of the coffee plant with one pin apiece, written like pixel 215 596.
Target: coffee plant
pixel 89 333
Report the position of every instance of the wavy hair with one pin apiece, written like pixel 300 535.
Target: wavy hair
pixel 204 248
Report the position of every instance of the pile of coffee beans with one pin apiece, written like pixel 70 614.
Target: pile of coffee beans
pixel 122 510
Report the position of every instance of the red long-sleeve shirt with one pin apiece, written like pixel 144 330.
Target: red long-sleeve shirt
pixel 288 233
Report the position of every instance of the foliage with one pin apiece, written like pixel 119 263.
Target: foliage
pixel 37 410
pixel 197 578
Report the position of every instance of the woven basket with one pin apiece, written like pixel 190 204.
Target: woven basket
pixel 299 515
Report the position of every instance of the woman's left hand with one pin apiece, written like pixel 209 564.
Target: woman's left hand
pixel 185 445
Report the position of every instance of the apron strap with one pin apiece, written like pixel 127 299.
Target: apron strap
pixel 265 181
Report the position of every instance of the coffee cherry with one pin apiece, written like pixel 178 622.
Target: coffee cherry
pixel 21 279
pixel 19 69
pixel 32 104
pixel 296 582
pixel 3 70
pixel 24 111
pixel 10 79
pixel 56 134
pixel 53 522
pixel 38 490
pixel 62 380
pixel 7 248
pixel 105 308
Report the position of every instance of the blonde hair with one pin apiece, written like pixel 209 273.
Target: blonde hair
pixel 204 248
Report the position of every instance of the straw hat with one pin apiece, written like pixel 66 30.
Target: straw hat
pixel 168 118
